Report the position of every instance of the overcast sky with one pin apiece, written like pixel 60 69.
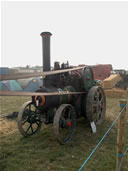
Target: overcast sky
pixel 83 32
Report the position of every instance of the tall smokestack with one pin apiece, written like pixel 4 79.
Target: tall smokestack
pixel 46 50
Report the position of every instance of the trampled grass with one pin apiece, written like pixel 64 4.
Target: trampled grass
pixel 41 152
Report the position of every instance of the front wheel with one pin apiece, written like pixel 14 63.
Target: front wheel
pixel 29 121
pixel 64 123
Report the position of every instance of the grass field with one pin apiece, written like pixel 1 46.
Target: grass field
pixel 41 152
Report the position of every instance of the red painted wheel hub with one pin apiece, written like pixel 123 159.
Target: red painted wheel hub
pixel 101 106
pixel 69 124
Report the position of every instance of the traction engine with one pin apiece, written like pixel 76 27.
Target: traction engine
pixel 71 95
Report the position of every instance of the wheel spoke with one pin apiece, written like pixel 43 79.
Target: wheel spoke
pixel 28 128
pixel 97 96
pixel 62 118
pixel 31 128
pixel 101 100
pixel 29 108
pixel 98 116
pixel 24 122
pixel 37 123
pixel 69 115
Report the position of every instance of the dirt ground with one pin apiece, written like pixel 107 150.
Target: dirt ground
pixel 7 126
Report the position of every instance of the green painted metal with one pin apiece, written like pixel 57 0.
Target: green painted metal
pixel 50 114
pixel 64 99
pixel 88 78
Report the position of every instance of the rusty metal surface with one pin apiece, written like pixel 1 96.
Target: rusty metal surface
pixel 16 93
pixel 31 75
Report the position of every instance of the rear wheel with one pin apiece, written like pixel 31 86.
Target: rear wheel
pixel 96 105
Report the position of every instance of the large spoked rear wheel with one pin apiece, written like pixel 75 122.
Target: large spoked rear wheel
pixel 64 123
pixel 28 120
pixel 96 105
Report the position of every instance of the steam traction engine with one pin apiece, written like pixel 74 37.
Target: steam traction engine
pixel 70 95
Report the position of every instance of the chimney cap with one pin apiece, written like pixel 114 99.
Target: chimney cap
pixel 46 34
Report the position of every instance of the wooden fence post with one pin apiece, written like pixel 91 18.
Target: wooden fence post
pixel 120 135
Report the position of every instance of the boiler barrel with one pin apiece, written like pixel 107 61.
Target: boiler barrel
pixel 45 102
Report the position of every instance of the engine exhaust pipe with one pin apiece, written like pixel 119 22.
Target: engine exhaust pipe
pixel 46 50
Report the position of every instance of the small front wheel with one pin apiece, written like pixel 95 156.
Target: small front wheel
pixel 28 120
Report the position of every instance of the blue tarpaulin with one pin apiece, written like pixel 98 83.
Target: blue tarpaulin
pixel 10 85
pixel 33 85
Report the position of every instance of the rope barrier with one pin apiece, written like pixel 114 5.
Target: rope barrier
pixel 122 155
pixel 123 105
pixel 93 151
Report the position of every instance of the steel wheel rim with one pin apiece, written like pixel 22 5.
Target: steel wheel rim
pixel 64 133
pixel 96 105
pixel 98 98
pixel 28 119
